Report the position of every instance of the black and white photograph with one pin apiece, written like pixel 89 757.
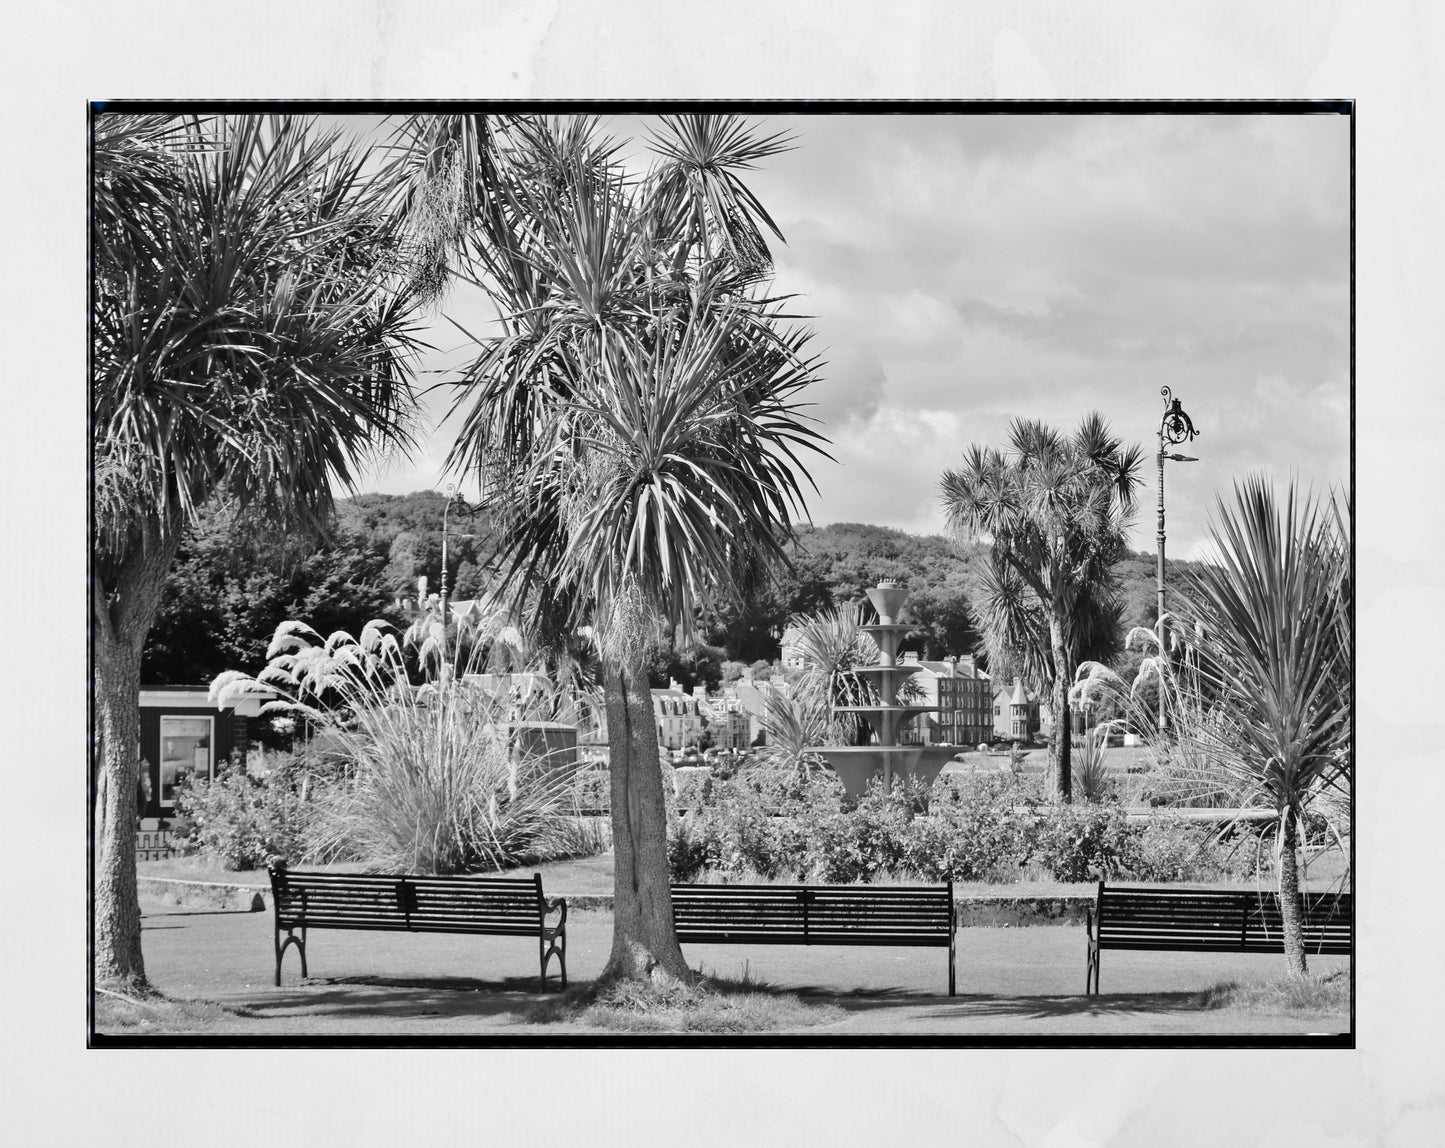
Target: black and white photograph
pixel 726 574
pixel 695 575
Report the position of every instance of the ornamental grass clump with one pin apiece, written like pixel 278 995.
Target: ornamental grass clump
pixel 432 781
pixel 1187 770
pixel 1092 781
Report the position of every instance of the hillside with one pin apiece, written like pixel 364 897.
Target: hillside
pixel 233 584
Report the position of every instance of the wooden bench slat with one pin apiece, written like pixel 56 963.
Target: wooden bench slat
pixel 903 915
pixel 477 906
pixel 1191 920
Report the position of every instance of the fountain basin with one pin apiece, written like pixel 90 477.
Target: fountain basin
pixel 886 721
pixel 855 765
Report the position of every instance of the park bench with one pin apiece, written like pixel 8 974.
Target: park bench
pixel 489 906
pixel 1209 921
pixel 816 915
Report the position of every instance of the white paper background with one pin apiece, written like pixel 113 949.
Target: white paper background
pixel 1385 55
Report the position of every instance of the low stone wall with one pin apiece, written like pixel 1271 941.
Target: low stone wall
pixel 203 894
pixel 1006 912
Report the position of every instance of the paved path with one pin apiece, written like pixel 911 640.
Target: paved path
pixel 1021 982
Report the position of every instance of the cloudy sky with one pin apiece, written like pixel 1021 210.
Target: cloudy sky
pixel 961 271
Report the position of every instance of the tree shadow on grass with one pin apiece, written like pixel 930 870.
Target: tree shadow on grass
pixel 397 997
pixel 152 919
pixel 1112 1004
pixel 985 1005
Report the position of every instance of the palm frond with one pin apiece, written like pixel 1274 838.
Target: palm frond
pixel 1269 610
pixel 247 333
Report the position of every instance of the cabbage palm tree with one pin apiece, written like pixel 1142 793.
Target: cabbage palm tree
pixel 830 643
pixel 1275 611
pixel 1014 628
pixel 636 428
pixel 1053 509
pixel 246 344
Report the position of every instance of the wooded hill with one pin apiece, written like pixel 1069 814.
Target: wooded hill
pixel 235 582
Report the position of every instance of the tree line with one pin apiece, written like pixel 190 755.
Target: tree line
pixel 234 581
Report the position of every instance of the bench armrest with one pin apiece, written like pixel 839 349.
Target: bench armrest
pixel 558 904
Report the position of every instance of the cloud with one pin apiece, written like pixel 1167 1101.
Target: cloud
pixel 1043 266
pixel 853 385
pixel 961 270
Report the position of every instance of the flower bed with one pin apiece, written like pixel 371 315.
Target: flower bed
pixel 778 825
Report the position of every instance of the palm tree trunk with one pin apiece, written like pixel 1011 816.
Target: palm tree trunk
pixel 122 619
pixel 117 908
pixel 1063 735
pixel 644 944
pixel 1289 909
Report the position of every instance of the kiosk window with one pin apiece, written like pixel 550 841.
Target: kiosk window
pixel 185 751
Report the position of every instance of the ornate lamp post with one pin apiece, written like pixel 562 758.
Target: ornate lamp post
pixel 451 495
pixel 1174 428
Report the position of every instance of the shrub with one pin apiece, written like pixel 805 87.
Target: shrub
pixel 981 829
pixel 592 790
pixel 689 789
pixel 1083 842
pixel 783 824
pixel 691 849
pixel 245 822
pixel 866 842
pixel 1170 849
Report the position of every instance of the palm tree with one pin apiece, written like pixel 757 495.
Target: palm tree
pixel 830 644
pixel 247 345
pixel 1014 628
pixel 636 428
pixel 1053 509
pixel 1275 612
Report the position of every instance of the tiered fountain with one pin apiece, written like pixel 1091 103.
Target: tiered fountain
pixel 856 764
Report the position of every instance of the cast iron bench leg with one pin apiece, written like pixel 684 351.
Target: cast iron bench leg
pixel 557 937
pixel 282 946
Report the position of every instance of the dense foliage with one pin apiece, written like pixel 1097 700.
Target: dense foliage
pixel 429 778
pixel 783 824
pixel 233 583
pixel 249 819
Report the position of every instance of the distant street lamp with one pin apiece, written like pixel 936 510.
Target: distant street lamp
pixel 452 493
pixel 1174 428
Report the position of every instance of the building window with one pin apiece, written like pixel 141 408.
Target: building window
pixel 186 751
